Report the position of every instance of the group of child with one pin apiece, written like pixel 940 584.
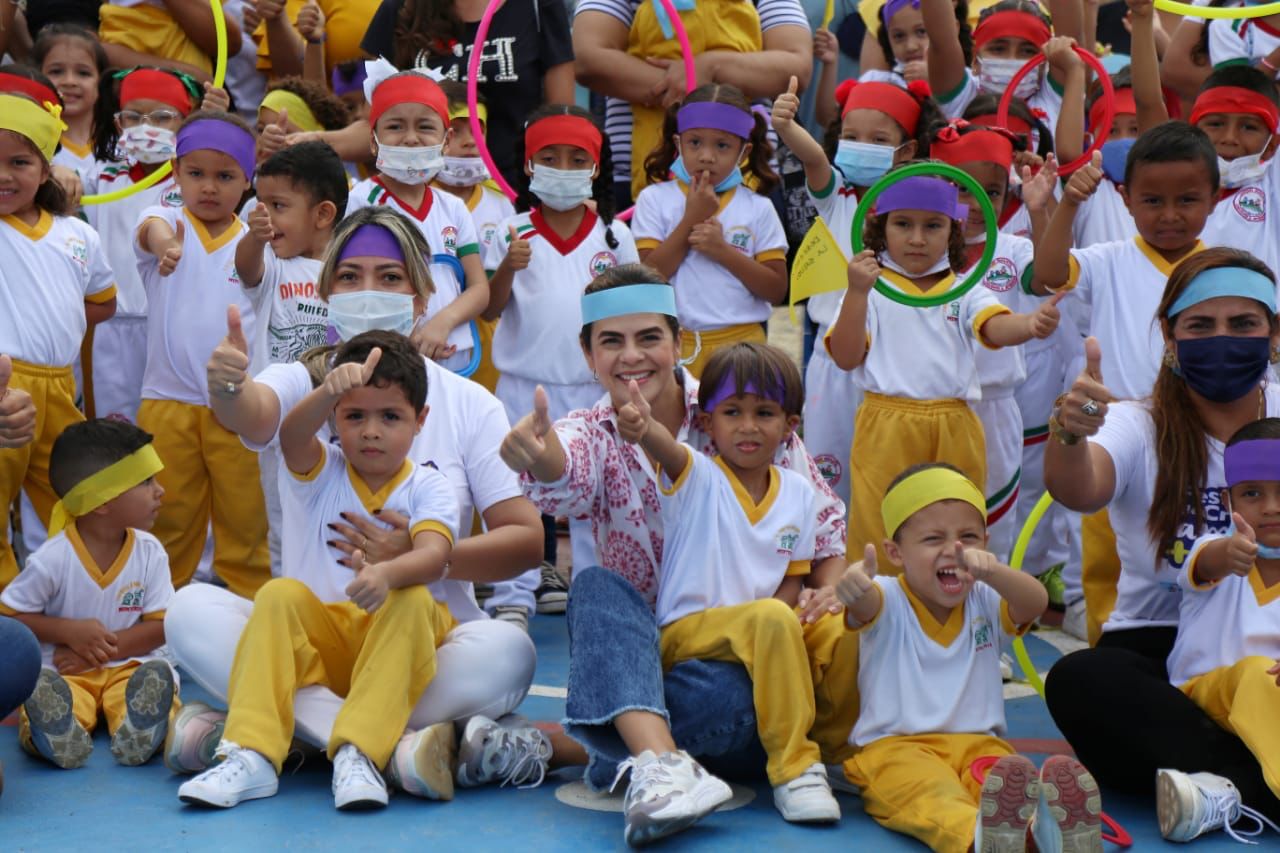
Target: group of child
pixel 930 421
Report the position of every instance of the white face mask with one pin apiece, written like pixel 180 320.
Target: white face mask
pixel 351 314
pixel 143 143
pixel 994 76
pixel 463 171
pixel 410 164
pixel 1243 170
pixel 943 264
pixel 561 189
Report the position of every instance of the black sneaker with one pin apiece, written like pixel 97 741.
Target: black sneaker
pixel 553 592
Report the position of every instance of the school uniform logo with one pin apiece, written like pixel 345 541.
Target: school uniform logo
pixel 953 312
pixel 1251 204
pixel 487 231
pixel 787 539
pixel 829 467
pixel 172 198
pixel 1002 276
pixel 78 251
pixel 982 639
pixel 1217 521
pixel 602 261
pixel 131 598
pixel 739 237
pixel 450 235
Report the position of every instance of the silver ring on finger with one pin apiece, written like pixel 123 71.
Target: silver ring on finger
pixel 1091 408
pixel 231 388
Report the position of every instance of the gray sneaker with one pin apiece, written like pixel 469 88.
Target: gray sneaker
pixel 509 751
pixel 56 734
pixel 667 793
pixel 148 698
pixel 513 613
pixel 552 593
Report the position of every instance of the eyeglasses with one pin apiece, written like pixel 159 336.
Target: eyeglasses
pixel 159 118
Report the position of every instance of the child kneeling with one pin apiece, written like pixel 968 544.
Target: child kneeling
pixel 370 636
pixel 929 677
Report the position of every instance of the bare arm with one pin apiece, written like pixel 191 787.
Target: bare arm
pixel 195 18
pixel 602 64
pixel 1179 69
pixel 847 339
pixel 1053 254
pixel 789 590
pixel 301 449
pixel 119 56
pixel 944 57
pixel 817 171
pixel 787 53
pixel 7 12
pixel 99 312
pixel 1145 66
pixel 557 84
pixel 250 264
pixel 143 638
pixel 1026 596
pixel 284 46
pixel 1069 134
pixel 1009 330
pixel 1081 476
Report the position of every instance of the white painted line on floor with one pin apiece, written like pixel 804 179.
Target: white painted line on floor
pixel 548 691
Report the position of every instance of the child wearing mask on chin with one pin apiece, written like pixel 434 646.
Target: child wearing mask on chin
pixel 409 128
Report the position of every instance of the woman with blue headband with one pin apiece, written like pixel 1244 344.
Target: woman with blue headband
pixel 1157 466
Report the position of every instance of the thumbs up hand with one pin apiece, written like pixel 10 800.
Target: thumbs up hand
pixel 526 442
pixel 1085 181
pixel 634 416
pixel 1242 547
pixel 519 252
pixel 857 580
pixel 228 367
pixel 785 107
pixel 345 377
pixel 274 137
pixel 310 22
pixel 1044 320
pixel 369 589
pixel 260 223
pixel 172 251
pixel 215 98
pixel 1084 409
pixel 17 411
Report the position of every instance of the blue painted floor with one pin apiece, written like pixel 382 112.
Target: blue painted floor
pixel 107 807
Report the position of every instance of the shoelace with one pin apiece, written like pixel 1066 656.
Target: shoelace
pixel 523 754
pixel 234 762
pixel 644 776
pixel 357 768
pixel 1227 809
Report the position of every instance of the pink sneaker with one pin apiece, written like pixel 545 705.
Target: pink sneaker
pixel 193 738
pixel 1009 798
pixel 1072 804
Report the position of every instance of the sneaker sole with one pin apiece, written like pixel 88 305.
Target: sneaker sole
pixel 1169 813
pixel 173 747
pixel 148 699
pixel 435 754
pixel 55 732
pixel 363 804
pixel 257 792
pixel 1073 799
pixel 553 602
pixel 1009 798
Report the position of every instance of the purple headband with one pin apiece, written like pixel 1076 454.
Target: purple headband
pixel 342 85
pixel 1256 459
pixel 211 134
pixel 724 117
pixel 729 388
pixel 892 7
pixel 371 241
pixel 923 193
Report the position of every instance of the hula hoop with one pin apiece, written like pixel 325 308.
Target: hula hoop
pixel 1217 11
pixel 219 75
pixel 455 265
pixel 1015 562
pixel 1108 103
pixel 988 214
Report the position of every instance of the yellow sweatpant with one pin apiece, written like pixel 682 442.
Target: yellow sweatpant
pixel 100 691
pixel 714 339
pixel 486 374
pixel 833 663
pixel 207 474
pixel 920 785
pixel 380 662
pixel 765 637
pixel 1100 570
pixel 53 391
pixel 893 433
pixel 1245 701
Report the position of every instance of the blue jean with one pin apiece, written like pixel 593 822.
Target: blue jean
pixel 615 666
pixel 19 664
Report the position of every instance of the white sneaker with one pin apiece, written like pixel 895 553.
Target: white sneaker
pixel 242 775
pixel 807 798
pixel 508 751
pixel 667 793
pixel 1075 620
pixel 423 762
pixel 1190 804
pixel 357 784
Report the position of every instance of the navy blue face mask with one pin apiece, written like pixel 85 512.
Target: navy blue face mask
pixel 1114 154
pixel 1223 368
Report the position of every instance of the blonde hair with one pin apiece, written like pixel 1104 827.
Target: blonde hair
pixel 412 245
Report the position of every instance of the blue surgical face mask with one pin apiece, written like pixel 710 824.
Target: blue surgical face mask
pixel 1115 153
pixel 1223 368
pixel 730 181
pixel 863 163
pixel 352 314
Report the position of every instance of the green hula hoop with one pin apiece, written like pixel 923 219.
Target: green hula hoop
pixel 1015 562
pixel 942 170
pixel 1233 12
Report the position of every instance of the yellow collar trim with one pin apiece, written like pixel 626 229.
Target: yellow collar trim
pixel 31 232
pixel 477 193
pixel 724 199
pixel 76 148
pixel 755 511
pixel 907 285
pixel 375 500
pixel 101 578
pixel 212 244
pixel 942 633
pixel 1265 595
pixel 1157 260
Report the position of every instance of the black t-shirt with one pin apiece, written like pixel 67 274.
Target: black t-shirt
pixel 525 39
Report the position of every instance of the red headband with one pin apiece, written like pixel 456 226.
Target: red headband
pixel 897 103
pixel 408 88
pixel 977 146
pixel 155 86
pixel 1125 105
pixel 1023 25
pixel 1233 99
pixel 562 130
pixel 1016 125
pixel 34 89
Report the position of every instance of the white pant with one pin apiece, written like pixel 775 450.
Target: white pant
pixel 831 400
pixel 1002 426
pixel 483 667
pixel 268 474
pixel 119 356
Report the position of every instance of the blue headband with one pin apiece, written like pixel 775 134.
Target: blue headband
pixel 1226 281
pixel 629 299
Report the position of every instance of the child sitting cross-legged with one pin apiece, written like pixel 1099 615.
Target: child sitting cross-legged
pixel 929 677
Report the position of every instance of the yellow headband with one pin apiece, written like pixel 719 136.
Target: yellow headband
pixel 41 124
pixel 928 487
pixel 106 485
pixel 461 111
pixel 299 113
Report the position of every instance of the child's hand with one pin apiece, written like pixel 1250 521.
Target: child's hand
pixel 1037 186
pixel 1044 320
pixel 916 69
pixel 526 442
pixel 826 48
pixel 171 253
pixel 864 270
pixel 91 640
pixel 215 98
pixel 786 105
pixel 370 587
pixel 1060 53
pixel 269 10
pixel 17 411
pixel 69 180
pixel 1275 670
pixel 519 252
pixel 701 204
pixel 857 579
pixel 260 223
pixel 816 603
pixel 229 365
pixel 275 136
pixel 1084 409
pixel 432 338
pixel 633 417
pixel 1141 8
pixel 1084 182
pixel 1242 547
pixel 347 376
pixel 707 237
pixel 67 662
pixel 974 564
pixel 310 22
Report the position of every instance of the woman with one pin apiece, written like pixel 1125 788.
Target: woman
pixel 1140 460
pixel 580 466
pixel 485 667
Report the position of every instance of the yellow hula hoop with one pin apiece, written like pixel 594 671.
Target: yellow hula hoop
pixel 1230 12
pixel 1015 562
pixel 219 74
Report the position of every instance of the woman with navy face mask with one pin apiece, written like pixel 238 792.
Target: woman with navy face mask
pixel 1157 466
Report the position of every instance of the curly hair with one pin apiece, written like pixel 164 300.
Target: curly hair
pixel 330 110
pixel 963 30
pixel 931 118
pixel 425 27
pixel 875 238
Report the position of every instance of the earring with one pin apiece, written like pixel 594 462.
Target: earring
pixel 1170 360
pixel 1275 356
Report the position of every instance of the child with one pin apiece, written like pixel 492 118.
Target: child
pixel 409 126
pixel 937 631
pixel 904 40
pixel 73 58
pixel 186 258
pixel 293 105
pixel 369 634
pixel 54 284
pixel 739 539
pixel 95 595
pixel 1227 654
pixel 722 246
pixel 918 413
pixel 302 190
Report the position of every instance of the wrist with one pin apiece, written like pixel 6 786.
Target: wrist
pixel 1060 433
pixel 1268 65
pixel 316 41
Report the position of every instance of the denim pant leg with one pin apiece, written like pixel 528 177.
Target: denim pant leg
pixel 713 717
pixel 19 664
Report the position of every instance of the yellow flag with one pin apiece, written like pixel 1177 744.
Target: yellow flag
pixel 828 14
pixel 819 266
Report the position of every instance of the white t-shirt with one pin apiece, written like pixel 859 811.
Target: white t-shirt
pixel 117 225
pixel 1241 41
pixel 291 316
pixel 311 501
pixel 1001 371
pixel 489 209
pixel 182 329
pixel 47 273
pixel 79 160
pixel 721 548
pixel 708 296
pixel 1103 218
pixel 464 428
pixel 1047 99
pixel 1240 219
pixel 1148 594
pixel 61 579
pixel 916 676
pixel 538 336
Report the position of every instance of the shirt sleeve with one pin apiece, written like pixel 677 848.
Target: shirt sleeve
pixel 434 508
pixel 647 223
pixel 100 281
pixel 1186 577
pixel 1226 46
pixel 488 477
pixel 977 307
pixel 771 239
pixel 290 382
pixel 32 590
pixel 781 13
pixel 1087 268
pixel 1127 437
pixel 805 545
pixel 159 585
pixel 828 509
pixel 578 488
pixel 623 10
pixel 555 47
pixel 147 262
pixel 626 251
